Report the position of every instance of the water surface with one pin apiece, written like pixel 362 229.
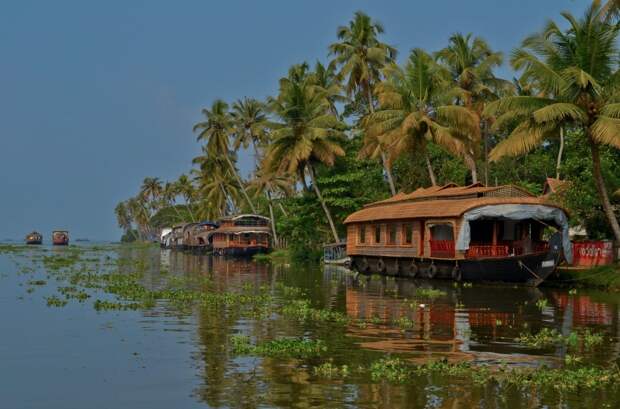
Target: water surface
pixel 180 355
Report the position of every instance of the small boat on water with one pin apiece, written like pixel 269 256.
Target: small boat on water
pixel 34 238
pixel 60 238
pixel 242 235
pixel 469 233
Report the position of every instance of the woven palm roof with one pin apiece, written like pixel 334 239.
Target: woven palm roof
pixel 443 201
pixel 242 229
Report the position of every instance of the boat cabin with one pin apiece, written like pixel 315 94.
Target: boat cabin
pixel 450 225
pixel 244 234
pixel 176 236
pixel 200 234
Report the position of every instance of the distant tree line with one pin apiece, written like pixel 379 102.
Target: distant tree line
pixel 362 127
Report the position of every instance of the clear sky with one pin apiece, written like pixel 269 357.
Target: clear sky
pixel 96 95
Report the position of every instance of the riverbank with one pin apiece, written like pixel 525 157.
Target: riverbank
pixel 603 277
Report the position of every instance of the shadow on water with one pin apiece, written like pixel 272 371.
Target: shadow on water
pixel 415 320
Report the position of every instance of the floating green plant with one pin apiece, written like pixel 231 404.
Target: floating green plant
pixel 429 293
pixel 54 301
pixel 280 347
pixel 330 371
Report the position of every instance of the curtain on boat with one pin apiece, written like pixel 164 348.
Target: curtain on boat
pixel 516 212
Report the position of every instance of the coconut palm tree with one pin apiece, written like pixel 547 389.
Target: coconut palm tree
pixel 123 218
pixel 217 186
pixel 250 125
pixel 139 213
pixel 169 195
pixel 410 111
pixel 151 191
pixel 610 11
pixel 361 56
pixel 216 130
pixel 470 62
pixel 270 184
pixel 578 67
pixel 328 79
pixel 185 188
pixel 306 133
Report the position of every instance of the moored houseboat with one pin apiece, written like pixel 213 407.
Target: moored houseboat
pixel 470 233
pixel 242 235
pixel 199 236
pixel 176 237
pixel 165 236
pixel 60 238
pixel 34 238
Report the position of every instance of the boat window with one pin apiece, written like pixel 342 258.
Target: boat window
pixel 378 233
pixel 408 227
pixel 362 236
pixel 391 234
pixel 442 232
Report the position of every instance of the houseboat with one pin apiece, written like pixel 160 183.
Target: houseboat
pixel 176 236
pixel 164 237
pixel 34 238
pixel 60 238
pixel 199 236
pixel 242 235
pixel 470 233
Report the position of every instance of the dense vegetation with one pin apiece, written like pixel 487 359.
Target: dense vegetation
pixel 362 126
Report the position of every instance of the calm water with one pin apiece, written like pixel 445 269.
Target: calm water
pixel 170 357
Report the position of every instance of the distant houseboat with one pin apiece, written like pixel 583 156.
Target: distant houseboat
pixel 34 238
pixel 60 238
pixel 242 235
pixel 471 233
pixel 199 236
pixel 165 236
pixel 176 237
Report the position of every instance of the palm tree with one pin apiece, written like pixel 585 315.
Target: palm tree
pixel 578 67
pixel 185 188
pixel 306 134
pixel 151 191
pixel 250 125
pixel 217 130
pixel 410 111
pixel 610 11
pixel 169 194
pixel 361 57
pixel 216 186
pixel 268 184
pixel 123 218
pixel 470 62
pixel 138 212
pixel 329 81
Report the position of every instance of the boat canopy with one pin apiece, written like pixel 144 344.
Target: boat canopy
pixel 516 212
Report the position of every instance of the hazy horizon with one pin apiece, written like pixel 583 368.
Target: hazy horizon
pixel 98 95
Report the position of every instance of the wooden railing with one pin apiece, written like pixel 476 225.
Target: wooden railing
pixel 442 248
pixel 515 248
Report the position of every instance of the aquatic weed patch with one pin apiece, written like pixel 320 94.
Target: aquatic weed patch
pixel 302 311
pixel 280 347
pixel 429 293
pixel 328 370
pixel 548 337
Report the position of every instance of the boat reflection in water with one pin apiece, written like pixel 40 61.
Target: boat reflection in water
pixel 389 317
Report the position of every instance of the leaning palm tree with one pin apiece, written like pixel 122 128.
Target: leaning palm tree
pixel 470 62
pixel 327 78
pixel 306 134
pixel 250 125
pixel 123 218
pixel 361 57
pixel 216 130
pixel 579 68
pixel 411 113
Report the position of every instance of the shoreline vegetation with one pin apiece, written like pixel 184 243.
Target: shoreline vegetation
pixel 368 122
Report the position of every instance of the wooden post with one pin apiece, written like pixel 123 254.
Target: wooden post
pixel 494 237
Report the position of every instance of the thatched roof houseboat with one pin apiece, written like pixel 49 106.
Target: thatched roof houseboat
pixel 199 236
pixel 244 234
pixel 472 233
pixel 34 238
pixel 60 238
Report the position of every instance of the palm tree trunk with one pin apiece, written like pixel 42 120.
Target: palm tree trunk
pixel 485 135
pixel 386 167
pixel 602 190
pixel 302 178
pixel 320 197
pixel 273 219
pixel 245 193
pixel 284 212
pixel 255 154
pixel 470 162
pixel 431 172
pixel 559 162
pixel 188 206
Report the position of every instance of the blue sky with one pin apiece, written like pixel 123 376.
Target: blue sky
pixel 94 96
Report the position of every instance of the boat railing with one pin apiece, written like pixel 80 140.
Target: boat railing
pixel 516 248
pixel 442 248
pixel 334 251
